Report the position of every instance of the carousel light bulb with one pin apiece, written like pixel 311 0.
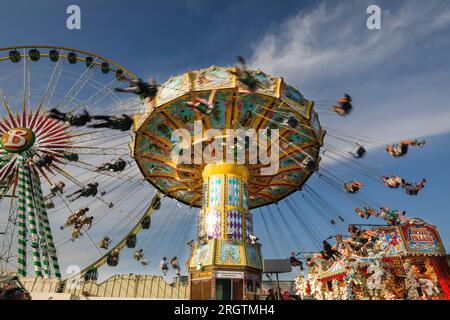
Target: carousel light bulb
pixel 211 220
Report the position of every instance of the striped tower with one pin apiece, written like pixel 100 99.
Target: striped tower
pixel 22 229
pixel 50 245
pixel 42 234
pixel 33 231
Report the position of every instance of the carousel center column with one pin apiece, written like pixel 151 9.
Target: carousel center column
pixel 224 263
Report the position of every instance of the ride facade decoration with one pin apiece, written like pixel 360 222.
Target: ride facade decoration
pixel 226 254
pixel 406 262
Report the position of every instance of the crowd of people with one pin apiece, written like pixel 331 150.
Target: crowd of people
pixel 392 217
pixel 272 294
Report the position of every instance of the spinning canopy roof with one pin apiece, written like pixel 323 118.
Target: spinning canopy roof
pixel 270 106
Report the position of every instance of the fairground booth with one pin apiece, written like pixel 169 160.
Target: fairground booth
pixel 406 262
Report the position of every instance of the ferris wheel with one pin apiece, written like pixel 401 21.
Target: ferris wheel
pixel 65 165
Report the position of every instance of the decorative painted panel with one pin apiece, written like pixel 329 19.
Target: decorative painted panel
pixel 202 255
pixel 392 242
pixel 267 84
pixel 292 97
pixel 174 87
pixel 215 192
pixel 234 224
pixel 233 191
pixel 422 239
pixel 212 77
pixel 230 253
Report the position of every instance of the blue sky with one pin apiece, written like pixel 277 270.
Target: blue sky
pixel 398 77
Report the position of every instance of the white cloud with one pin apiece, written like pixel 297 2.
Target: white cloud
pixel 395 74
pixel 328 40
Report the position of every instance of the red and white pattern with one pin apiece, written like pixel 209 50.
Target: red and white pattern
pixel 52 138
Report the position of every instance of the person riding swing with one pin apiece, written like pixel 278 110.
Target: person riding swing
pixel 345 107
pixel 121 122
pixel 401 149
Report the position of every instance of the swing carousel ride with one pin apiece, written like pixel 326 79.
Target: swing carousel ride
pixel 220 99
pixel 241 145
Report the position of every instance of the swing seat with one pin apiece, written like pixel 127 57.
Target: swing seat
pixel 146 223
pixel 156 203
pixel 105 67
pixel 72 57
pixel 112 261
pixel 358 152
pixel 89 62
pixel 14 56
pixel 119 75
pixel 91 275
pixel 34 54
pixel 131 241
pixel 53 55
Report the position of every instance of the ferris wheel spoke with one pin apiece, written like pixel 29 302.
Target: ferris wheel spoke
pixel 6 122
pixel 5 251
pixel 53 82
pixel 50 126
pixel 26 89
pixel 76 88
pixel 3 129
pixel 108 212
pixel 129 105
pixel 101 135
pixel 125 176
pixel 8 111
pixel 12 74
pixel 98 96
pixel 101 199
pixel 92 169
pixel 84 229
pixel 54 130
pixel 7 169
